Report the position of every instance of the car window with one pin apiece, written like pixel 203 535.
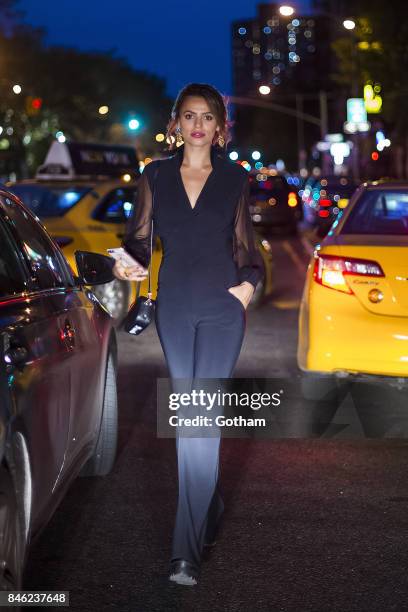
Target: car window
pixel 117 206
pixel 379 212
pixel 44 260
pixel 12 278
pixel 49 201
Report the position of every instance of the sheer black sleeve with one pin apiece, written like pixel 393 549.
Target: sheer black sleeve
pixel 246 253
pixel 138 228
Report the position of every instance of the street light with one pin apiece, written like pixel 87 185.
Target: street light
pixel 17 89
pixel 286 10
pixel 264 90
pixel 349 24
pixel 103 110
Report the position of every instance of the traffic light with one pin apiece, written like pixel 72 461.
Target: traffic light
pixel 33 105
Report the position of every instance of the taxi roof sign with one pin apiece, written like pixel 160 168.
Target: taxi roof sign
pixel 73 160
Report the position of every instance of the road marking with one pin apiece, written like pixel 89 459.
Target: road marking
pixel 286 304
pixel 300 265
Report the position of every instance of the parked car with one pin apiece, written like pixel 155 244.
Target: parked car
pixel 58 359
pixel 354 309
pixel 274 205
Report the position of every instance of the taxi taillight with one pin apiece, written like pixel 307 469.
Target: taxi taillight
pixel 330 270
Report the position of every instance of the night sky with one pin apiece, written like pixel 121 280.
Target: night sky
pixel 182 41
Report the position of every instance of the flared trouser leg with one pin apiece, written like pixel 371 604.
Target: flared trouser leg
pixel 208 349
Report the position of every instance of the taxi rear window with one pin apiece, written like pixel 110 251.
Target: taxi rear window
pixel 46 201
pixel 379 212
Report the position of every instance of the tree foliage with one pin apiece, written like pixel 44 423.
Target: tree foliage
pixel 72 86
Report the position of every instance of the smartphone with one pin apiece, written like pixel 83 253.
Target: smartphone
pixel 122 255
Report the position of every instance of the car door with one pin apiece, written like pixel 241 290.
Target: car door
pixel 68 314
pixel 35 354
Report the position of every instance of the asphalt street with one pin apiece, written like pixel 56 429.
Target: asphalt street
pixel 310 524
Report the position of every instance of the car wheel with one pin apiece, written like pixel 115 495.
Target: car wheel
pixel 104 455
pixel 322 395
pixel 11 539
pixel 114 296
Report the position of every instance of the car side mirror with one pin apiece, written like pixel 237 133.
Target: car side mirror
pixel 94 268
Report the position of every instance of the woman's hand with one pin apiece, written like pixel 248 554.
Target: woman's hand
pixel 129 273
pixel 243 292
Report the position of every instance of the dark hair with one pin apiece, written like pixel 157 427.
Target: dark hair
pixel 215 100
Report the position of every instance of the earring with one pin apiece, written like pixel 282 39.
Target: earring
pixel 221 141
pixel 179 138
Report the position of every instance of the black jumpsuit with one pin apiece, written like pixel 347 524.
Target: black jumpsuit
pixel 201 325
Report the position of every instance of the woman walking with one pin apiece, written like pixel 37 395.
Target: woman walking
pixel 209 271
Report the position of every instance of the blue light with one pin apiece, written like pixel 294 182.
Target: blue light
pixel 134 124
pixel 258 165
pixel 127 209
pixel 379 136
pixel 69 197
pixel 267 30
pixel 242 31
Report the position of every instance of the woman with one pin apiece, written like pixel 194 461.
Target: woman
pixel 209 271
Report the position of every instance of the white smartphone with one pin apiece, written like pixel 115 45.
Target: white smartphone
pixel 122 255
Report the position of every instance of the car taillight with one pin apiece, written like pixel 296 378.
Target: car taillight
pixel 62 241
pixel 324 213
pixel 292 199
pixel 331 270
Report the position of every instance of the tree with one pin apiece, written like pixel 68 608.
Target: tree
pixel 72 86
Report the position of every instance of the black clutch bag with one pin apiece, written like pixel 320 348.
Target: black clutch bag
pixel 140 315
pixel 141 312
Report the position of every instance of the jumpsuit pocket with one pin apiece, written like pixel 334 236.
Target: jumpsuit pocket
pixel 236 300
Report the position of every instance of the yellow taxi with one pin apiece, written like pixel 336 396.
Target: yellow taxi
pixel 84 194
pixel 354 309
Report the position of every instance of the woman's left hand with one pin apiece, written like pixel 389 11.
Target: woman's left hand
pixel 243 292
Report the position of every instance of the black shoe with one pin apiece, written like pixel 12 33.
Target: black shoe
pixel 183 572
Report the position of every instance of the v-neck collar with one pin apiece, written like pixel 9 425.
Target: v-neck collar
pixel 216 156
